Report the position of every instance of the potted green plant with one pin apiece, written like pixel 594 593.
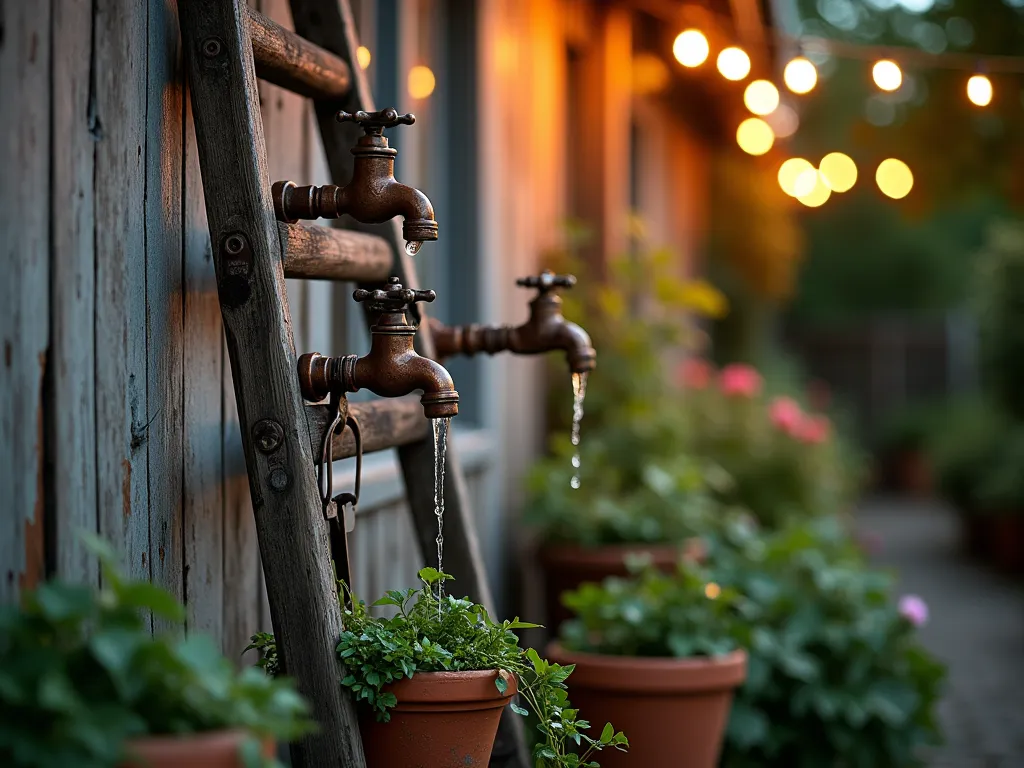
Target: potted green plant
pixel 656 653
pixel 85 683
pixel 432 680
pixel 837 676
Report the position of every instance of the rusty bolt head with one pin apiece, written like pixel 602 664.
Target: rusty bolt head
pixel 279 480
pixel 212 47
pixel 268 435
pixel 234 244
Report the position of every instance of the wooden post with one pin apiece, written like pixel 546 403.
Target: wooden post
pixel 247 254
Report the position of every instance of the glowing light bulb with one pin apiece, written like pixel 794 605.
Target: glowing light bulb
pixel 691 48
pixel 650 74
pixel 421 82
pixel 712 590
pixel 887 75
pixel 363 56
pixel 979 90
pixel 894 178
pixel 797 177
pixel 800 75
pixel 755 136
pixel 819 194
pixel 761 97
pixel 838 171
pixel 733 63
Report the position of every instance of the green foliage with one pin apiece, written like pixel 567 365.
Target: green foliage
pixel 1000 297
pixel 652 614
pixel 835 674
pixel 434 632
pixel 80 672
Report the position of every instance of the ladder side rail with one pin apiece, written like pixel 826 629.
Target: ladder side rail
pixel 292 535
pixel 316 252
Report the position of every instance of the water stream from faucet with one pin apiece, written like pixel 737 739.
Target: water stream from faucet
pixel 441 427
pixel 579 392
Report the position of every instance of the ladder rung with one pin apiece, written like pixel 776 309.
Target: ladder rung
pixel 384 424
pixel 285 59
pixel 326 253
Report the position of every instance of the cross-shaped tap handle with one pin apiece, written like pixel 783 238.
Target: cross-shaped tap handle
pixel 547 281
pixel 374 123
pixel 394 298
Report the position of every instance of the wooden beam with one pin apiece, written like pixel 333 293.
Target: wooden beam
pixel 290 61
pixel 384 424
pixel 325 253
pixel 292 535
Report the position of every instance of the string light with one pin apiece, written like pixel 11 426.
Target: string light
pixel 887 75
pixel 794 175
pixel 755 136
pixel 979 90
pixel 894 178
pixel 838 171
pixel 733 63
pixel 819 194
pixel 691 48
pixel 761 97
pixel 800 75
pixel 421 82
pixel 363 56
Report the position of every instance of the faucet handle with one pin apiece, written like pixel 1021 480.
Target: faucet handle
pixel 394 298
pixel 374 123
pixel 547 281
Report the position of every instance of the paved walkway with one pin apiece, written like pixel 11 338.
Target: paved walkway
pixel 976 627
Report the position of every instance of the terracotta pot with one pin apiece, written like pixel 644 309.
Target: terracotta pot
pixel 566 566
pixel 442 720
pixel 1005 543
pixel 219 749
pixel 673 711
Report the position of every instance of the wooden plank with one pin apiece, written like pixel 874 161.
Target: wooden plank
pixel 24 314
pixel 73 434
pixel 285 59
pixel 122 415
pixel 164 299
pixel 327 253
pixel 384 424
pixel 207 548
pixel 292 534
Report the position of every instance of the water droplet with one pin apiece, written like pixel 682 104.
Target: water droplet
pixel 579 392
pixel 575 482
pixel 412 247
pixel 576 460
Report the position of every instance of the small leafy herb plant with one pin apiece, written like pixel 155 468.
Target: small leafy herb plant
pixel 81 673
pixel 435 632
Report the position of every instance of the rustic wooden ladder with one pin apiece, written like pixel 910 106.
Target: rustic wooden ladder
pixel 227 46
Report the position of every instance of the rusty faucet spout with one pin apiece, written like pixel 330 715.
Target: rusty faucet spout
pixel 546 330
pixel 392 368
pixel 373 196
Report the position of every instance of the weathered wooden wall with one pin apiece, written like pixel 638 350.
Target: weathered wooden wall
pixel 116 405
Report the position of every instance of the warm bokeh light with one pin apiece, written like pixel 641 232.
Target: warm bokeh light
pixel 363 56
pixel 794 176
pixel 819 194
pixel 887 75
pixel 755 136
pixel 894 178
pixel 712 590
pixel 800 75
pixel 421 82
pixel 784 121
pixel 979 90
pixel 761 97
pixel 733 63
pixel 650 74
pixel 838 171
pixel 691 48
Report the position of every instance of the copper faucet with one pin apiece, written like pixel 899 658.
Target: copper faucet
pixel 546 330
pixel 373 196
pixel 392 368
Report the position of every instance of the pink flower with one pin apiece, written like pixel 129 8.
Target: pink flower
pixel 786 415
pixel 814 430
pixel 914 610
pixel 694 373
pixel 738 380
